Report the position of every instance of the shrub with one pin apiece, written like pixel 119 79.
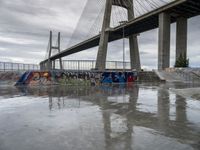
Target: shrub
pixel 182 62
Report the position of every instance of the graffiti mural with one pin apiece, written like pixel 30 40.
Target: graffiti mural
pixel 75 78
pixel 39 78
pixel 118 77
pixel 35 78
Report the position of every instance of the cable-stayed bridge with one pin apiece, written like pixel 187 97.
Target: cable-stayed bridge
pixel 117 19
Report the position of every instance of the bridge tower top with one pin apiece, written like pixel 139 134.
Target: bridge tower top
pixel 50 49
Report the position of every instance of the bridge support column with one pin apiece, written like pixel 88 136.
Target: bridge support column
pixel 181 37
pixel 133 43
pixel 54 64
pixel 61 66
pixel 49 65
pixel 103 44
pixel 50 51
pixel 42 66
pixel 46 65
pixel 60 60
pixel 164 41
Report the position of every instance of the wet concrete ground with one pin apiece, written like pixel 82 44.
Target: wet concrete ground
pixel 132 117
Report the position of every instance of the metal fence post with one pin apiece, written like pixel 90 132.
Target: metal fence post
pixel 18 67
pixel 4 66
pixel 12 66
pixel 78 65
pixel 93 64
pixel 9 66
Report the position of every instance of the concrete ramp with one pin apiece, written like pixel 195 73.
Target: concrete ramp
pixel 184 75
pixel 149 76
pixel 169 76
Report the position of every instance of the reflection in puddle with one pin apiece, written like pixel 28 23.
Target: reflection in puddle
pixel 107 117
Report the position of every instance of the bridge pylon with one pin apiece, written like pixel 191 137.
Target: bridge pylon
pixel 103 43
pixel 49 65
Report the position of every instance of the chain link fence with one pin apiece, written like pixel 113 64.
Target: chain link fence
pixel 90 64
pixel 9 66
pixel 67 65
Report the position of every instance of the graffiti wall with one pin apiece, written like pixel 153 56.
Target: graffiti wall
pixel 53 78
pixel 118 77
pixel 72 78
pixel 38 78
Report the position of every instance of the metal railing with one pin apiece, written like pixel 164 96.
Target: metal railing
pixel 9 66
pixel 67 65
pixel 188 75
pixel 90 64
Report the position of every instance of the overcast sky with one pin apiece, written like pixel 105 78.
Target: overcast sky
pixel 25 25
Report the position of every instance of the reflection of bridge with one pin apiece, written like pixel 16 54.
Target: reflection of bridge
pixel 178 11
pixel 178 126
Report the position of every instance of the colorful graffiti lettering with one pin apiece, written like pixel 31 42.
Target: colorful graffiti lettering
pixel 39 78
pixel 118 77
pixel 73 78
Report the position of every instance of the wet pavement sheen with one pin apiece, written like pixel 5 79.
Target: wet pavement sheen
pixel 131 117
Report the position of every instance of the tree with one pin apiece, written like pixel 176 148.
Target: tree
pixel 182 61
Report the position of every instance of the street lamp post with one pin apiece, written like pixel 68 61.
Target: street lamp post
pixel 123 51
pixel 123 23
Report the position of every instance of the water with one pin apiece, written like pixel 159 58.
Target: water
pixel 116 117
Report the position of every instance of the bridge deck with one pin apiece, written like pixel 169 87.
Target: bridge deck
pixel 149 21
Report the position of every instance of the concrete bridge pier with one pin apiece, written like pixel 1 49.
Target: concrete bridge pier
pixel 46 66
pixel 133 43
pixel 54 65
pixel 41 66
pixel 49 65
pixel 181 37
pixel 164 41
pixel 103 44
pixel 60 60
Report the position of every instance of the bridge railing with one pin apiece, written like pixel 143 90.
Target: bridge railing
pixel 9 66
pixel 90 64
